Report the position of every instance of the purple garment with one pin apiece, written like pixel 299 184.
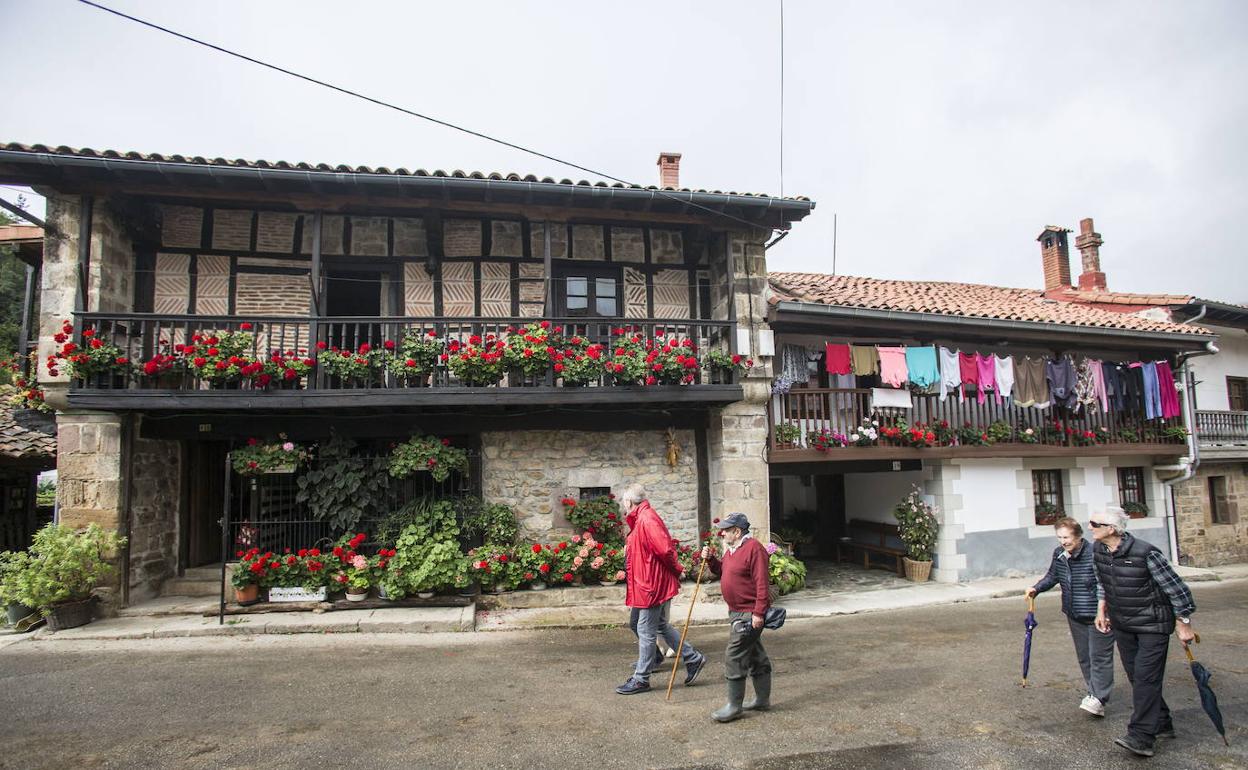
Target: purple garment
pixel 987 370
pixel 1170 406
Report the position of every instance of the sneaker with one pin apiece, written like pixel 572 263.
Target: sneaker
pixel 670 653
pixel 1135 746
pixel 1093 706
pixel 633 686
pixel 693 669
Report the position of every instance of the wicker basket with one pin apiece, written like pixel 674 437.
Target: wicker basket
pixel 70 615
pixel 918 571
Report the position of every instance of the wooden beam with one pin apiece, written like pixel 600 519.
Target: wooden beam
pixel 86 208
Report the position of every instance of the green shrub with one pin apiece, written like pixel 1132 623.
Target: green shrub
pixel 63 565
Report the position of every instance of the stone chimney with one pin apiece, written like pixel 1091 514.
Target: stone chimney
pixel 1089 244
pixel 1055 255
pixel 669 169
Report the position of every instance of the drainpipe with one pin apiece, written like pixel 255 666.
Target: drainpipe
pixel 1186 469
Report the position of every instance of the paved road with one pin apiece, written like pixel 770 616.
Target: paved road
pixel 933 687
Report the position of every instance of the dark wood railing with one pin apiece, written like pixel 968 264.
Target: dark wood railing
pixel 1215 427
pixel 812 411
pixel 142 336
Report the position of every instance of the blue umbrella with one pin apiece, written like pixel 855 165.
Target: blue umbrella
pixel 1029 623
pixel 1208 701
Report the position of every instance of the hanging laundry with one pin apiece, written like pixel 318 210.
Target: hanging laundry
pixel 836 358
pixel 1085 383
pixel 863 360
pixel 1004 370
pixel 1060 374
pixel 1099 389
pixel 893 366
pixel 1170 406
pixel 921 365
pixel 891 397
pixel 1032 388
pixel 987 376
pixel 1125 385
pixel 969 369
pixel 843 381
pixel 950 374
pixel 792 368
pixel 1152 393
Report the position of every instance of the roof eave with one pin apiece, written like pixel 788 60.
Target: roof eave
pixel 1194 340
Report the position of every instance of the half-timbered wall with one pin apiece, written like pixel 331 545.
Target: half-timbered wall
pixel 219 261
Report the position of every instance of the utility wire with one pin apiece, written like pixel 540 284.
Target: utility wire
pixel 405 111
pixel 781 98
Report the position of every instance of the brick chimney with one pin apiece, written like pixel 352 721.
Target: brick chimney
pixel 669 169
pixel 1089 244
pixel 1055 254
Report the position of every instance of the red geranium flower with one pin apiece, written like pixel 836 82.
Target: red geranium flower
pixel 567 577
pixel 537 548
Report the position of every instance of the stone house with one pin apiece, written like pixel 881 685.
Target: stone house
pixel 1210 529
pixel 993 495
pixel 155 249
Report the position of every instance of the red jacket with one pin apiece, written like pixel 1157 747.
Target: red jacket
pixel 650 559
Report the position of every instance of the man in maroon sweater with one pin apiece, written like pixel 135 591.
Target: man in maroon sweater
pixel 744 581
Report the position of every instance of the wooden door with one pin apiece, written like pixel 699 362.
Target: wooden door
pixel 204 502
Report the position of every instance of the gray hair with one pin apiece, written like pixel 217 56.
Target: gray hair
pixel 630 495
pixel 1115 517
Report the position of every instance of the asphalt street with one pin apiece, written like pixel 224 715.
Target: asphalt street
pixel 922 688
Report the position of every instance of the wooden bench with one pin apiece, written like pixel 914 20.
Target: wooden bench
pixel 872 537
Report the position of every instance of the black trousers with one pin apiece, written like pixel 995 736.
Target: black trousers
pixel 745 655
pixel 1144 658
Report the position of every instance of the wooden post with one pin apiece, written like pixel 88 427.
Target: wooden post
pixel 85 209
pixel 547 269
pixel 28 311
pixel 314 307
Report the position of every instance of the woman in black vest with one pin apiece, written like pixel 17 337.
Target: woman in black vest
pixel 1140 598
pixel 1072 569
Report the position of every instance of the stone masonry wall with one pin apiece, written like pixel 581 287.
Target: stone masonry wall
pixel 532 470
pixel 737 436
pixel 1201 542
pixel 155 486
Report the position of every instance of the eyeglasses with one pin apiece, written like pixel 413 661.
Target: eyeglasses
pixel 1097 524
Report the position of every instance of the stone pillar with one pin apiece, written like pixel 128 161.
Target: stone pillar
pixel 938 489
pixel 737 434
pixel 89 477
pixel 155 489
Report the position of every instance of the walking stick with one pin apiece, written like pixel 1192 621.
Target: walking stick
pixel 672 680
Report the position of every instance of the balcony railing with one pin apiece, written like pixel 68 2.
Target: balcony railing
pixel 826 418
pixel 141 338
pixel 1215 427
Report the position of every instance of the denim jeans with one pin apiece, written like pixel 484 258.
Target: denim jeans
pixel 651 624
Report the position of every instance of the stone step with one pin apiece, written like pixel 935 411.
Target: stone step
pixel 191 587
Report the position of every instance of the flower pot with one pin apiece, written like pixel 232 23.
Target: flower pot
pixel 537 585
pixel 297 594
pixel 414 380
pixel 357 594
pixel 70 615
pixel 247 595
pixel 18 611
pixel 164 381
pixel 424 594
pixel 498 589
pixel 917 571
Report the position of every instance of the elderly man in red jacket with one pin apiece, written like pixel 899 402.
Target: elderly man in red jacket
pixel 653 578
pixel 744 583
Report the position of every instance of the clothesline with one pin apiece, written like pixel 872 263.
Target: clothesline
pixel 1030 381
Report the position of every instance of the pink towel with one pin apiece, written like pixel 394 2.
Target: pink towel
pixel 987 369
pixel 893 370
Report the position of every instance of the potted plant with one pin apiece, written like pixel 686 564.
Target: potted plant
pixel 786 573
pixel 866 434
pixel 917 527
pixel 1048 514
pixel 350 368
pixel 1135 509
pixel 436 567
pixel 250 572
pixel 256 458
pixel 786 434
pixel 599 516
pixel 479 363
pixel 825 439
pixel 427 453
pixel 98 363
pixel 530 352
pixel 63 570
pixel 579 362
pixel 726 367
pixel 417 358
pixel 11 566
pixel 671 362
pixel 284 370
pixel 359 577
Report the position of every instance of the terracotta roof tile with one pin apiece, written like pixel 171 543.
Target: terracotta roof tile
pixel 87 152
pixel 956 299
pixel 18 442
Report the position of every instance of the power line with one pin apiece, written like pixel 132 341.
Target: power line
pixel 405 111
pixel 781 98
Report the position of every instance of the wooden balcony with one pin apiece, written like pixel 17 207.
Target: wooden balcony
pixel 142 337
pixel 990 429
pixel 1219 428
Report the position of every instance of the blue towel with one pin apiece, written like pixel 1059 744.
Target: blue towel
pixel 922 365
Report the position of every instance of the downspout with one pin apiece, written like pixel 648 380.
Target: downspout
pixel 1187 468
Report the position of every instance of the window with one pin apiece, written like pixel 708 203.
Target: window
pixel 1048 500
pixel 589 493
pixel 586 292
pixel 1237 393
pixel 1130 485
pixel 1219 506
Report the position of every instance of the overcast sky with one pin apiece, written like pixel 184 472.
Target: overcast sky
pixel 943 135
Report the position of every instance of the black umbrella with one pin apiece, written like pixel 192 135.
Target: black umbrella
pixel 1208 701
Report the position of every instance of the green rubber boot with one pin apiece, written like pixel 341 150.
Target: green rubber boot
pixel 762 694
pixel 731 709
